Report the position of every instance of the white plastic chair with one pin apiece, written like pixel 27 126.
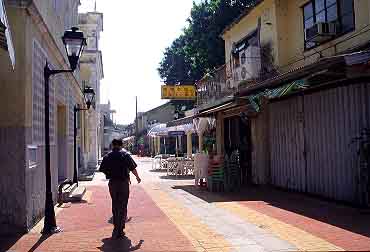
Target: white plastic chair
pixel 200 167
pixel 156 162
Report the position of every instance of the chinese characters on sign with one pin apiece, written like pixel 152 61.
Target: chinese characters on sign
pixel 178 92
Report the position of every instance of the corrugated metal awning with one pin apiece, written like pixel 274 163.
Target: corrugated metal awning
pixel 219 108
pixel 255 100
pixel 295 74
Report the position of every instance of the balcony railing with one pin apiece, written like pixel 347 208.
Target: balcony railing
pixel 214 87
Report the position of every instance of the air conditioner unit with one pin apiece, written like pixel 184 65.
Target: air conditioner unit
pixel 236 75
pixel 243 73
pixel 321 32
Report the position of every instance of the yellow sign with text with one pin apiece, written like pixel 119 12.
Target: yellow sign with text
pixel 183 92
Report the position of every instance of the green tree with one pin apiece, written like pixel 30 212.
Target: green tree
pixel 200 49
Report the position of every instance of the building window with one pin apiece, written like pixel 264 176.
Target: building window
pixel 32 156
pixel 246 57
pixel 340 12
pixel 55 6
pixel 38 107
pixel 236 60
pixel 71 102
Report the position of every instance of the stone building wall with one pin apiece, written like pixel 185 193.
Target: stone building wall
pixel 22 158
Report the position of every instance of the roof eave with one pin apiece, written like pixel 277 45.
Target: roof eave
pixel 239 18
pixel 293 75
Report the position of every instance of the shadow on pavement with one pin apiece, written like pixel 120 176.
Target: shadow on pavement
pixel 179 177
pixel 159 170
pixel 6 242
pixel 110 221
pixel 336 214
pixel 39 242
pixel 119 245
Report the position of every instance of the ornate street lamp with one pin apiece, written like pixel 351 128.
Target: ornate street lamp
pixel 74 43
pixel 89 96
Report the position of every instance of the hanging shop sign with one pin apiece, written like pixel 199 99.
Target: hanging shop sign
pixel 182 92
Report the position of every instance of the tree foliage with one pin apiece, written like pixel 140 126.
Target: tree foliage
pixel 200 49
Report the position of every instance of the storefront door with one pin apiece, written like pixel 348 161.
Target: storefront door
pixel 237 137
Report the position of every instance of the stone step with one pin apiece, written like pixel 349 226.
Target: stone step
pixel 77 194
pixel 92 166
pixel 69 188
pixel 66 192
pixel 87 175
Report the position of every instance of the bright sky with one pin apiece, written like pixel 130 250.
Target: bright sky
pixel 132 43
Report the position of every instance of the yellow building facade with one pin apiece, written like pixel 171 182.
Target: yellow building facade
pixel 301 67
pixel 281 26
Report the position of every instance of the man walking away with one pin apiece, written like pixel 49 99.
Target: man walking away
pixel 117 166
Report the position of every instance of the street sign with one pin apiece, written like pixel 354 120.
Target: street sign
pixel 176 133
pixel 182 92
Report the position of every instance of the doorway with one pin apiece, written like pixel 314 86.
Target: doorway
pixel 237 137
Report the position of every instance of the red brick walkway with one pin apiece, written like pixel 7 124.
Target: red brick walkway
pixel 86 227
pixel 342 226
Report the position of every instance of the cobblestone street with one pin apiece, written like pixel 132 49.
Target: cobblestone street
pixel 168 214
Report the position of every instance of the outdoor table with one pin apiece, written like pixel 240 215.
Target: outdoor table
pixel 171 165
pixel 175 166
pixel 189 166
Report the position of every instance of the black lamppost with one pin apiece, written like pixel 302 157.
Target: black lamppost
pixel 89 95
pixel 74 43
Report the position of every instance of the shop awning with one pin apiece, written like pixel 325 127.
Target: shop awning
pixel 158 130
pixel 330 66
pixel 181 121
pixel 255 100
pixel 186 127
pixel 303 78
pixel 212 111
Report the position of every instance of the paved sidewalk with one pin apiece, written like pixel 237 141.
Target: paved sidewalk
pixel 310 224
pixel 86 227
pixel 169 214
pixel 236 233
